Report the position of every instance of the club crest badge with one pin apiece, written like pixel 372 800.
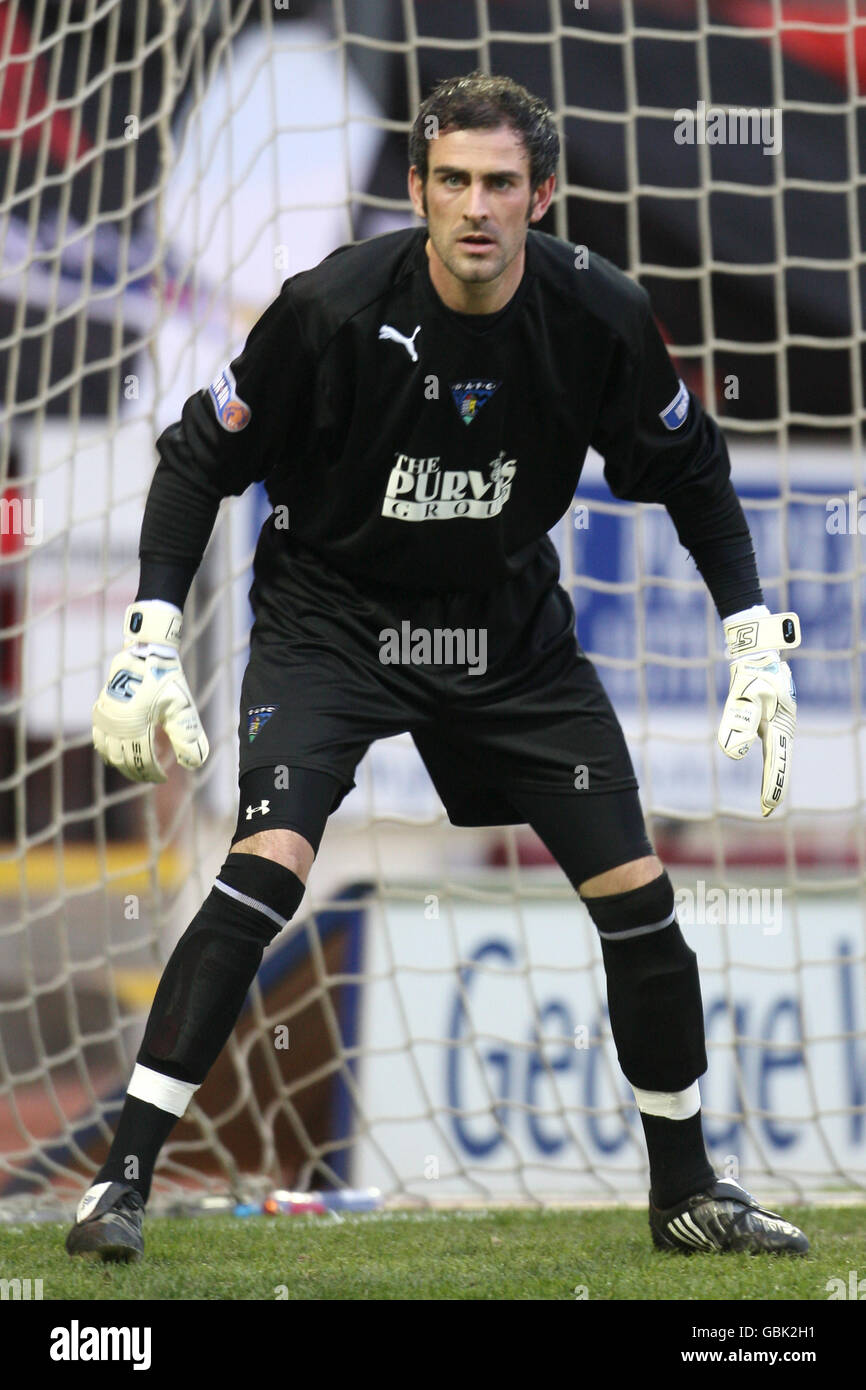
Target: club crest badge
pixel 232 413
pixel 258 717
pixel 470 396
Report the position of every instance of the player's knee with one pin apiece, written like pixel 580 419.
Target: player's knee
pixel 214 963
pixel 653 985
pixel 285 847
pixel 632 913
pixel 625 877
pixel 268 891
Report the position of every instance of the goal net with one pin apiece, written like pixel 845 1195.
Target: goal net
pixel 433 1024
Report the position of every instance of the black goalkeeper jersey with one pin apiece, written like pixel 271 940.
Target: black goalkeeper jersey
pixel 407 444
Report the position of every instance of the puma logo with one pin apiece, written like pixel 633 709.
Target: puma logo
pixel 392 335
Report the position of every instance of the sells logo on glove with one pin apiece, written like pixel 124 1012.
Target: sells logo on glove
pixel 123 685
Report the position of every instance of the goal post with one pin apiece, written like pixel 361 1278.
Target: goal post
pixel 434 1022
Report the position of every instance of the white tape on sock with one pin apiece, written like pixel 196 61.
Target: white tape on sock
pixel 671 1105
pixel 163 1091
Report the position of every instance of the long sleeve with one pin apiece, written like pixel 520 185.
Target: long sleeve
pixel 660 445
pixel 231 434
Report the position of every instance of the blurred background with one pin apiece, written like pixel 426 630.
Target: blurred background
pixel 164 168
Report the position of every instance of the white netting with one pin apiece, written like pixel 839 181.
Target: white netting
pixel 165 167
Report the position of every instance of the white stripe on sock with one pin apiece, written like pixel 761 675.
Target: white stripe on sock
pixel 251 902
pixel 163 1091
pixel 671 1105
pixel 639 931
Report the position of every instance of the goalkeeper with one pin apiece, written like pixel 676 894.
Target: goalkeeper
pixel 419 407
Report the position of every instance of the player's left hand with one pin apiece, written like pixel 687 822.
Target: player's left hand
pixel 762 699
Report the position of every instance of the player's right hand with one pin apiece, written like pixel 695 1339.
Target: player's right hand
pixel 146 689
pixel 762 699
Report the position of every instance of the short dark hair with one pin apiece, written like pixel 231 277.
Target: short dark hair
pixel 482 102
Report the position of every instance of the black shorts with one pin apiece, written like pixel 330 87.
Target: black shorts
pixel 524 711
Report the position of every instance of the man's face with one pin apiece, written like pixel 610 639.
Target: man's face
pixel 478 201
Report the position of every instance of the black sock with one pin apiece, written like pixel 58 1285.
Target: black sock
pixel 198 1000
pixel 141 1132
pixel 678 1160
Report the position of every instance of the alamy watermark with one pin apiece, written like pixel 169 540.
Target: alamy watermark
pixel 846 516
pixel 20 1289
pixel 77 1343
pixel 730 125
pixel 437 646
pixel 854 1288
pixel 22 516
pixel 735 907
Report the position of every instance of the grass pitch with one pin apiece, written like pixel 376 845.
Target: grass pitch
pixel 464 1255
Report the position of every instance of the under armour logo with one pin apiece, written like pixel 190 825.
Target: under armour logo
pixel 264 808
pixel 394 336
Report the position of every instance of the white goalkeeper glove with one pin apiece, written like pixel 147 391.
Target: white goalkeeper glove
pixel 146 687
pixel 762 699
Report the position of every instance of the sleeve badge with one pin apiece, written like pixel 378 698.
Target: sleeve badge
pixel 674 414
pixel 232 413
